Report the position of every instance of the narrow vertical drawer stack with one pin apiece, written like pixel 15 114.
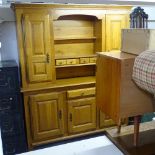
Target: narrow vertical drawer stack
pixel 11 110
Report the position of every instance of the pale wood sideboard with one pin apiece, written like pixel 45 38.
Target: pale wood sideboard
pixel 57 48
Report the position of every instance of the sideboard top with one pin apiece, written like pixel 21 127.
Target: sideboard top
pixel 117 55
pixel 73 6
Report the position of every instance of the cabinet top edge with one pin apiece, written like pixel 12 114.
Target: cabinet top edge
pixel 69 6
pixel 117 55
pixel 64 84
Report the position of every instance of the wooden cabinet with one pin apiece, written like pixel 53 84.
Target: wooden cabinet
pixel 46 114
pixel 81 110
pixel 116 93
pixel 37 56
pixel 58 45
pixel 81 115
pixel 114 24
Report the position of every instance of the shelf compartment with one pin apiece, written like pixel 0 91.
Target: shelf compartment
pixel 75 71
pixel 74 49
pixel 75 38
pixel 77 65
pixel 78 56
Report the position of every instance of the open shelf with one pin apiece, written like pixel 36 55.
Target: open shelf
pixel 77 65
pixel 75 56
pixel 62 83
pixel 75 38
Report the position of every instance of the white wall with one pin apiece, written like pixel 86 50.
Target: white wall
pixel 8 38
pixel 151 12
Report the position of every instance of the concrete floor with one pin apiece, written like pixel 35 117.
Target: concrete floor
pixel 100 145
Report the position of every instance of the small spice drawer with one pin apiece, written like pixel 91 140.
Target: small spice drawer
pixel 84 60
pixel 72 61
pixel 92 60
pixel 61 62
pixel 80 92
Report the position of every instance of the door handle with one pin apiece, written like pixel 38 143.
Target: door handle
pixel 47 58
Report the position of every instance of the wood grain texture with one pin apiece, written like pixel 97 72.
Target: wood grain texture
pixel 35 40
pixel 46 114
pixel 114 24
pixel 81 115
pixel 80 93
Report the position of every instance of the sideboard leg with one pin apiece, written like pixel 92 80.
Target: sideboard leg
pixel 119 126
pixel 136 129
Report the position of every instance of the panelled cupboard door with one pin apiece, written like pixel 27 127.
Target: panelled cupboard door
pixel 38 47
pixel 81 115
pixel 46 113
pixel 114 24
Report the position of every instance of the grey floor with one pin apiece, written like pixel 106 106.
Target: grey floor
pixel 100 145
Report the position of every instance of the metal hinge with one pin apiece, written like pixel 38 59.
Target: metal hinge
pixel 60 114
pixel 47 58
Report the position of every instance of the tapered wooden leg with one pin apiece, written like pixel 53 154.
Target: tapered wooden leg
pixel 136 129
pixel 119 126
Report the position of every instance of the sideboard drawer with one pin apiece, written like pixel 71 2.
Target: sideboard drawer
pixel 84 60
pixel 60 62
pixel 92 60
pixel 80 92
pixel 72 61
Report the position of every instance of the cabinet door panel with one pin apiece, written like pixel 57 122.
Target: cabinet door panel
pixel 81 115
pixel 114 24
pixel 46 112
pixel 37 42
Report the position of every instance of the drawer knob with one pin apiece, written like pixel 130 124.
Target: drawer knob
pixel 11 98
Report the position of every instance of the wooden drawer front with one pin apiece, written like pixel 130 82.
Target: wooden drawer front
pixel 80 92
pixel 92 60
pixel 72 61
pixel 60 62
pixel 84 60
